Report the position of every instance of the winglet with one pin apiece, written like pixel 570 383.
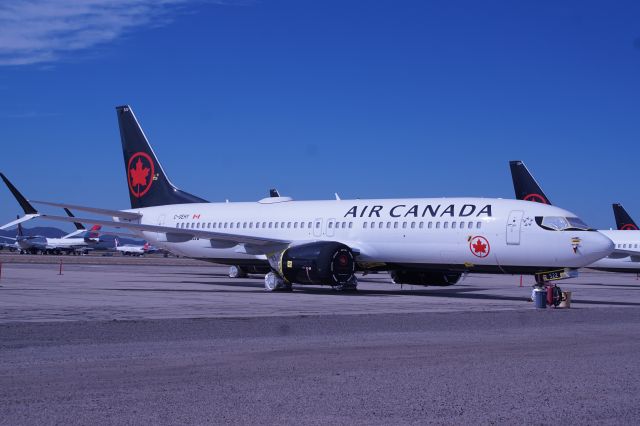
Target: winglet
pixel 26 206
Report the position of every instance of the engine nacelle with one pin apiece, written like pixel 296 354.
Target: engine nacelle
pixel 426 278
pixel 321 262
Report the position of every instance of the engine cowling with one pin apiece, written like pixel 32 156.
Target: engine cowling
pixel 426 278
pixel 322 262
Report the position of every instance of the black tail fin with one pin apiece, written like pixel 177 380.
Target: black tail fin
pixel 148 184
pixel 623 220
pixel 26 205
pixel 525 185
pixel 79 226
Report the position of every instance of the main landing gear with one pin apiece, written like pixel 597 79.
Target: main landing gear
pixel 274 282
pixel 236 271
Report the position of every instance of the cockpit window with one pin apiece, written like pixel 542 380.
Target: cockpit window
pixel 577 224
pixel 559 223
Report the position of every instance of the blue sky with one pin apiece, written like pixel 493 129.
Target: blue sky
pixel 369 99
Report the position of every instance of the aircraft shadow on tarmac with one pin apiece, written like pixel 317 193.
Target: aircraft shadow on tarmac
pixel 469 293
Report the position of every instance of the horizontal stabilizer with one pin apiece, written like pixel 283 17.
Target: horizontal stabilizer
pixel 19 221
pixel 105 212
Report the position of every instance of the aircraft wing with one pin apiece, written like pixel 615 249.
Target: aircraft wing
pixel 106 212
pixel 252 244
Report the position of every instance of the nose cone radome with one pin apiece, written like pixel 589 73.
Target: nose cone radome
pixel 596 246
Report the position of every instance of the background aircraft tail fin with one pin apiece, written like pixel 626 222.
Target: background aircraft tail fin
pixel 525 185
pixel 623 220
pixel 79 226
pixel 148 184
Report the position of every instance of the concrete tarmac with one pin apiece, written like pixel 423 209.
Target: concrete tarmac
pixel 113 344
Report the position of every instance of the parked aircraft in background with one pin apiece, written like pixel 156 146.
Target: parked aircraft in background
pixel 134 250
pixel 626 255
pixel 426 241
pixel 623 220
pixel 71 243
pixel 8 243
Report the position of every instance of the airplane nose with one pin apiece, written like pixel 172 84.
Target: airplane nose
pixel 598 246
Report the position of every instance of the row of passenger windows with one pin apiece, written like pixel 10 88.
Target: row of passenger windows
pixel 331 225
pixel 629 246
pixel 238 225
pixel 421 225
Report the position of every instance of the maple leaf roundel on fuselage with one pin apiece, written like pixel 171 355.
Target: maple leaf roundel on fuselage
pixel 140 172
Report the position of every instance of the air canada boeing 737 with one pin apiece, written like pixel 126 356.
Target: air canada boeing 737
pixel 426 241
pixel 626 254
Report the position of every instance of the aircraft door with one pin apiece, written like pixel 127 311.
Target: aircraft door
pixel 331 224
pixel 317 228
pixel 514 225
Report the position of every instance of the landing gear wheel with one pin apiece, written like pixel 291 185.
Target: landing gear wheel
pixel 351 285
pixel 273 282
pixel 237 272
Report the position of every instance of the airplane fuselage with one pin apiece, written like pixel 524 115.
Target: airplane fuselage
pixel 466 234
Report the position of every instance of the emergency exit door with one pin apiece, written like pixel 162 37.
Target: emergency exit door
pixel 514 225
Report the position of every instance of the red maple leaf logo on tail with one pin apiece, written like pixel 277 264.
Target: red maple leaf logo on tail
pixel 140 173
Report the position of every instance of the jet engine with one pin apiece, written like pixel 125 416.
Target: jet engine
pixel 426 278
pixel 322 262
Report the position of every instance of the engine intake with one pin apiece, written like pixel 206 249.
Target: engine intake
pixel 322 262
pixel 426 278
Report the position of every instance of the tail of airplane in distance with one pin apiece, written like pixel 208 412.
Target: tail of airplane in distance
pixel 623 220
pixel 148 184
pixel 93 232
pixel 79 226
pixel 20 232
pixel 525 185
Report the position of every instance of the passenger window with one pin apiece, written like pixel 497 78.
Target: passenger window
pixel 238 225
pixel 264 224
pixel 395 224
pixel 364 225
pixel 470 225
pixel 380 225
pixel 388 225
pixel 437 225
pixel 225 225
pixel 295 225
pixel 344 225
pixel 330 225
pixel 404 225
pixel 276 225
pixel 461 225
pixel 270 224
pixel 250 224
pixel 453 225
pixel 231 225
pixel 446 225
pixel 288 224
pixel 413 225
pixel 301 225
pixel 421 225
pixel 350 225
pixel 244 225
pixel 478 225
pixel 429 226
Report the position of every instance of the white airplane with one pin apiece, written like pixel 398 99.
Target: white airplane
pixel 626 254
pixel 133 250
pixel 71 243
pixel 425 241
